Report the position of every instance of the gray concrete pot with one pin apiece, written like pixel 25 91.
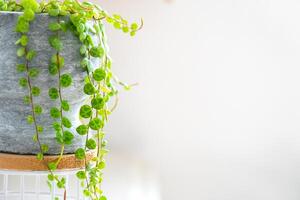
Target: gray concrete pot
pixel 15 134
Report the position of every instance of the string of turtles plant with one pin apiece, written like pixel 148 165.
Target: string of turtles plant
pixel 85 20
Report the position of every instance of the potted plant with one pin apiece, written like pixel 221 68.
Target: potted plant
pixel 56 84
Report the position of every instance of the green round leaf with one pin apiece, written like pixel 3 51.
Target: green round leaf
pixel 35 91
pixel 26 99
pixel 54 112
pixel 28 14
pixel 89 89
pixel 59 137
pixel 80 28
pixel 56 126
pixel 30 55
pixel 22 25
pixel 30 4
pixel 33 73
pixel 81 175
pixel 80 154
pixel 30 119
pixel 68 137
pixel 117 25
pixel 65 105
pixel 58 60
pixel 24 40
pixel 21 51
pixel 53 12
pixel 23 82
pixel 53 70
pixel 39 156
pixel 85 111
pixel 52 166
pixel 53 93
pixel 101 165
pixel 40 129
pixel 97 51
pixel 86 64
pixel 45 148
pixel 54 26
pixel 65 80
pixel 91 144
pixel 82 129
pixel 99 74
pixel 96 124
pixel 50 177
pixel 83 50
pixel 56 43
pixel 82 36
pixel 38 109
pixel 125 29
pixel 134 26
pixel 97 103
pixel 21 68
pixel 132 33
pixel 103 198
pixel 66 122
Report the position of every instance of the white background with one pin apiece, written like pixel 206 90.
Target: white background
pixel 217 109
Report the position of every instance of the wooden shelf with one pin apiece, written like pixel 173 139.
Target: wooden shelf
pixel 30 163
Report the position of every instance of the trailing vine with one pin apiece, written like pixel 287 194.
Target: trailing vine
pixel 85 20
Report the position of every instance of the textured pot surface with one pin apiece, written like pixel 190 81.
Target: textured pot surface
pixel 15 133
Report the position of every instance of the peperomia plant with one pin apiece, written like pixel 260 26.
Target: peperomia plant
pixel 85 20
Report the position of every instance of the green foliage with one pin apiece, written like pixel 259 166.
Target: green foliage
pixel 99 74
pixel 45 148
pixel 21 68
pixel 38 109
pixel 23 40
pixel 89 89
pixel 86 23
pixel 40 156
pixel 85 111
pixel 66 122
pixel 82 129
pixel 97 103
pixel 54 113
pixel 81 175
pixel 36 91
pixel 53 70
pixel 58 60
pixel 22 25
pixel 30 4
pixel 55 42
pixel 23 82
pixel 96 124
pixel 97 52
pixel 68 137
pixel 54 26
pixel 66 80
pixel 53 93
pixel 65 105
pixel 21 51
pixel 80 153
pixel 91 144
pixel 30 55
pixel 33 73
pixel 52 166
pixel 28 15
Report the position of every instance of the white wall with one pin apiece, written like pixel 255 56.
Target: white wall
pixel 217 110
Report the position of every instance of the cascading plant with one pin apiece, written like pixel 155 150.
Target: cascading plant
pixel 85 20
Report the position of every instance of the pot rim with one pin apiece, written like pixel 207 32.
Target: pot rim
pixel 19 12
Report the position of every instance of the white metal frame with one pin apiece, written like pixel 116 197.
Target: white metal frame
pixel 14 184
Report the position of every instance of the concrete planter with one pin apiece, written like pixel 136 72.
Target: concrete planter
pixel 15 134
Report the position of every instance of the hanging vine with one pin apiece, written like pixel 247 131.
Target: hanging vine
pixel 85 20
